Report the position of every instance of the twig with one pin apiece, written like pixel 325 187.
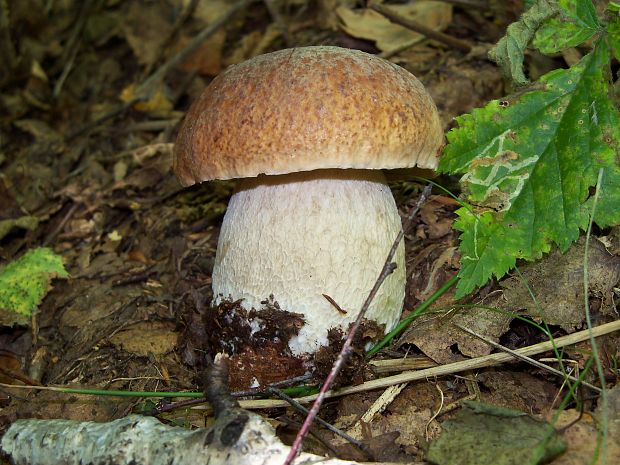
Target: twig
pixel 73 45
pixel 176 27
pixel 436 414
pixel 251 393
pixel 420 28
pixel 279 393
pixel 144 89
pixel 52 235
pixel 479 5
pixel 109 115
pixel 276 16
pixel 7 51
pixel 525 358
pixel 390 365
pixel 388 268
pixel 334 304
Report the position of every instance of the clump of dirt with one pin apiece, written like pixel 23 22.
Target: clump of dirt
pixel 353 371
pixel 256 341
pixel 231 328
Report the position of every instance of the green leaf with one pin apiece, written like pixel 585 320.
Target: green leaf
pixel 24 282
pixel 489 435
pixel 577 22
pixel 509 51
pixel 613 31
pixel 529 164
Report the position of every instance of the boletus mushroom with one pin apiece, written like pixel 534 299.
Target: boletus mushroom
pixel 308 131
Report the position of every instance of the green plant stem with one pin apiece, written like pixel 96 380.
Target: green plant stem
pixel 595 354
pixel 416 313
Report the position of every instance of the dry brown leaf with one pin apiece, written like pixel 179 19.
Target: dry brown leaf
pixel 517 390
pixel 583 436
pixel 147 337
pixel 146 26
pixel 390 37
pixel 435 335
pixel 557 283
pixel 207 59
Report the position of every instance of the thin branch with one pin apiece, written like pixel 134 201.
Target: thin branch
pixel 143 90
pixel 7 50
pixel 388 268
pixel 479 5
pixel 525 358
pixel 420 28
pixel 73 44
pixel 187 12
pixel 296 405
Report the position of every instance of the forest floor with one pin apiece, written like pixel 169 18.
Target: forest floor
pixel 86 170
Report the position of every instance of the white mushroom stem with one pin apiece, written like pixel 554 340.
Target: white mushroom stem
pixel 302 235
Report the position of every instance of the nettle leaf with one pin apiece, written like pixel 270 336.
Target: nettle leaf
pixel 24 282
pixel 529 164
pixel 613 30
pixel 509 51
pixel 576 23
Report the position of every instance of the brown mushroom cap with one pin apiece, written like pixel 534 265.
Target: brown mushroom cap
pixel 308 108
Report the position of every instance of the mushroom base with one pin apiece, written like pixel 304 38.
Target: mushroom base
pixel 301 236
pixel 260 358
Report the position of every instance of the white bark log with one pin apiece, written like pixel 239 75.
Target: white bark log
pixel 238 437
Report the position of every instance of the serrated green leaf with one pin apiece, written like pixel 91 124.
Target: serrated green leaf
pixel 509 51
pixel 608 207
pixel 24 282
pixel 557 35
pixel 577 22
pixel 582 12
pixel 613 31
pixel 530 163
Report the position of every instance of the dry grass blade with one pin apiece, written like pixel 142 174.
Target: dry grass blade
pixel 527 359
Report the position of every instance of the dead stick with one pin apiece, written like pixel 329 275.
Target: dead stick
pixel 420 28
pixel 388 268
pixel 526 359
pixel 296 405
pixel 191 47
pixel 479 5
pixel 144 89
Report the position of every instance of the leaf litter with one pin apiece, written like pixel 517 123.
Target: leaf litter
pixel 140 251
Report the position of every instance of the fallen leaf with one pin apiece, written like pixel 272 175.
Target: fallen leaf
pixel 147 337
pixel 390 37
pixel 557 283
pixel 517 390
pixel 146 26
pixel 435 335
pixel 583 436
pixel 40 130
pixel 488 435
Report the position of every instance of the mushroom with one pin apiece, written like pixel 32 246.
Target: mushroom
pixel 308 131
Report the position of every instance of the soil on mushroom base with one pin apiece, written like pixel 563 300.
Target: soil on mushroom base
pixel 257 342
